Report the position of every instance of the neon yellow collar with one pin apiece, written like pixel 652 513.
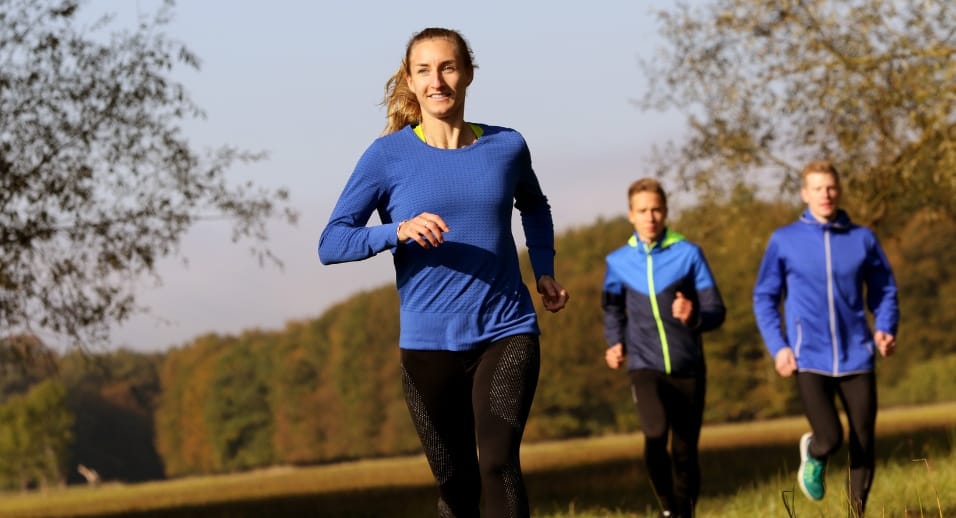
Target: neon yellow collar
pixel 474 127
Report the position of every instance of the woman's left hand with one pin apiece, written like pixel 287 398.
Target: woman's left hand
pixel 426 229
pixel 553 295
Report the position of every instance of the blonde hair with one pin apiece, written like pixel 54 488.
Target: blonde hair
pixel 401 105
pixel 646 185
pixel 819 167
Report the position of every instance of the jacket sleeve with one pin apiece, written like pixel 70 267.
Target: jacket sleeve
pixel 712 311
pixel 536 219
pixel 881 293
pixel 766 298
pixel 614 308
pixel 346 237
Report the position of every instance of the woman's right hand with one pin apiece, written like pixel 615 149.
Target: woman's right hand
pixel 426 229
pixel 553 296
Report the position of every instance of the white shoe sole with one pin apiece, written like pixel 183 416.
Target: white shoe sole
pixel 804 452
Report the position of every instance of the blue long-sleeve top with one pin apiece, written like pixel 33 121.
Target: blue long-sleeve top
pixel 820 271
pixel 468 290
pixel 640 285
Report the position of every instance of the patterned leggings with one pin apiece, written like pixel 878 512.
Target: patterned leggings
pixel 454 397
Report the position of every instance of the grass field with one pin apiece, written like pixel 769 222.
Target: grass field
pixel 748 471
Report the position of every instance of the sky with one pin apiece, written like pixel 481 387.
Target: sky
pixel 302 80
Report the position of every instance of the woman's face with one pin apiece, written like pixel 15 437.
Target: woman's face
pixel 438 78
pixel 648 215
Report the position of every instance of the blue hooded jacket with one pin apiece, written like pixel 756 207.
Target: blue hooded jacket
pixel 640 285
pixel 820 270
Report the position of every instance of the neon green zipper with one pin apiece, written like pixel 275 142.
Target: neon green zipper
pixel 655 309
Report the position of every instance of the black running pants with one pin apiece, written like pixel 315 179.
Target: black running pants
pixel 465 401
pixel 675 405
pixel 857 393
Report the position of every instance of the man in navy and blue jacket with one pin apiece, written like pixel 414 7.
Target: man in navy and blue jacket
pixel 658 297
pixel 819 266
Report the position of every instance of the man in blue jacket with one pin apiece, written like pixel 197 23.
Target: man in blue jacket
pixel 819 265
pixel 658 297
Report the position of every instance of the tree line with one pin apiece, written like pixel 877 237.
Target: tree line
pixel 328 389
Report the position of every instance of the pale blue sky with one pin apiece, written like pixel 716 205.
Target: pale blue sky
pixel 302 80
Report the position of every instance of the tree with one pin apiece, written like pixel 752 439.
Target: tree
pixel 743 384
pixel 97 180
pixel 237 410
pixel 51 430
pixel 769 85
pixel 24 361
pixel 577 395
pixel 15 466
pixel 183 435
pixel 113 396
pixel 295 379
pixel 36 436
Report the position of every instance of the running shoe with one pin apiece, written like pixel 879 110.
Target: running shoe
pixel 812 470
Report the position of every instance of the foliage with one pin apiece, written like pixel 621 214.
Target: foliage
pixel 35 436
pixel 314 392
pixel 237 410
pixel 577 394
pixel 328 389
pixel 183 437
pixel 334 390
pixel 297 407
pixel 769 85
pixel 24 361
pixel 742 383
pixel 113 396
pixel 923 264
pixel 97 180
pixel 923 382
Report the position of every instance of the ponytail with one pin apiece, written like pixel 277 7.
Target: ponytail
pixel 401 105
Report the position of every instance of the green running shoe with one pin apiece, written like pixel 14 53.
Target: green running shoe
pixel 810 475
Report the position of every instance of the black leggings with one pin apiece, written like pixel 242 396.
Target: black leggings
pixel 858 395
pixel 454 396
pixel 675 404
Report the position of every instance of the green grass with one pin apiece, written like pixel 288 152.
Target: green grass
pixel 748 470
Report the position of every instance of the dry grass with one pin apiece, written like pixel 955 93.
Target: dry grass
pixel 573 478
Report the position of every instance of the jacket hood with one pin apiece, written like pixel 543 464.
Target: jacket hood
pixel 670 237
pixel 840 222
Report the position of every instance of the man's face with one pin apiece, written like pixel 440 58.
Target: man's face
pixel 648 215
pixel 821 193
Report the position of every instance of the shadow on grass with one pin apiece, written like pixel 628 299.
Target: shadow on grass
pixel 625 487
pixel 620 485
pixel 373 503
